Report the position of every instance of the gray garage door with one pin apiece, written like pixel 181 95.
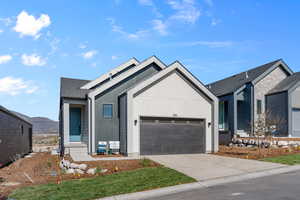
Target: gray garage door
pixel 171 136
pixel 296 122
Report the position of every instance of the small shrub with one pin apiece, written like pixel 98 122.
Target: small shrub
pixel 49 164
pixel 2 179
pixel 98 170
pixel 145 162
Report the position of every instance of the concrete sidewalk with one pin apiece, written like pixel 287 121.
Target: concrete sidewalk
pixel 201 184
pixel 204 167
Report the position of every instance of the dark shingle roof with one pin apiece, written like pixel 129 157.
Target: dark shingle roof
pixel 70 88
pixel 15 114
pixel 232 83
pixel 286 84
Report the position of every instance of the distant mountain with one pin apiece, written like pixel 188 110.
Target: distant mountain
pixel 41 125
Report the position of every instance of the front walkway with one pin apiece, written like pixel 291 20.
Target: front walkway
pixel 83 157
pixel 204 167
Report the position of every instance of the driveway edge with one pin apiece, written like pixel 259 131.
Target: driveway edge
pixel 201 184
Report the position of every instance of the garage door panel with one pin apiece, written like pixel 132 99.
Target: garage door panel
pixel 171 138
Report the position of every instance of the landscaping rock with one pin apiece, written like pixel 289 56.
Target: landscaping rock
pixel 61 165
pixel 92 171
pixel 66 164
pixel 282 143
pixel 74 166
pixel 79 171
pixel 83 167
pixel 104 170
pixel 70 171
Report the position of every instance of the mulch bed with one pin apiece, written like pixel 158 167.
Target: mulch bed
pixel 254 153
pixel 107 155
pixel 42 166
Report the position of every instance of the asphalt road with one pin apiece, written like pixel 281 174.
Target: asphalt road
pixel 279 187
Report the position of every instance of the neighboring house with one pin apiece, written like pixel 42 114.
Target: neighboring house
pixel 149 107
pixel 15 136
pixel 283 102
pixel 242 97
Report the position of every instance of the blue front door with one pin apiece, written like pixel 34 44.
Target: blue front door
pixel 75 124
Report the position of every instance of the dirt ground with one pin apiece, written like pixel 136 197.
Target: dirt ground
pixel 254 153
pixel 45 139
pixel 43 168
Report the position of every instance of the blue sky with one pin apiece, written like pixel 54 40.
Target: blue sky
pixel 42 41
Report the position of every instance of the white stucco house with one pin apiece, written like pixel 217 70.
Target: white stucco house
pixel 149 107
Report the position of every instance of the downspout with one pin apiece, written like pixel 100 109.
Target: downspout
pixel 252 108
pixel 90 124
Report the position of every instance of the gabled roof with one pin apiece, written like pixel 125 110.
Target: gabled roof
pixel 175 66
pixel 126 74
pixel 233 83
pixel 15 114
pixel 70 88
pixel 112 73
pixel 286 84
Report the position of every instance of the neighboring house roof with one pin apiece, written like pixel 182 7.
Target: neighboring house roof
pixel 112 73
pixel 126 74
pixel 286 84
pixel 14 114
pixel 70 88
pixel 233 83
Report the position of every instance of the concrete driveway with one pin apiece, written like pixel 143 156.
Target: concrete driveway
pixel 207 166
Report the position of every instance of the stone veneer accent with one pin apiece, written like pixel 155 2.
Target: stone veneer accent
pixel 265 85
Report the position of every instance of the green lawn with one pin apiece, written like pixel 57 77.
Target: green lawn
pixel 292 159
pixel 102 186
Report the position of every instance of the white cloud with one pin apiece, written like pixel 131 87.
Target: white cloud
pixel 82 46
pixel 146 2
pixel 152 5
pixel 210 44
pixel 14 86
pixel 5 59
pixel 186 10
pixel 114 57
pixel 209 2
pixel 1 31
pixel 54 45
pixel 118 29
pixel 7 21
pixel 89 54
pixel 215 22
pixel 28 25
pixel 33 60
pixel 160 26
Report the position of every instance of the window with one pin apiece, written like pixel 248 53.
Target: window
pixel 223 111
pixel 22 130
pixel 107 111
pixel 258 104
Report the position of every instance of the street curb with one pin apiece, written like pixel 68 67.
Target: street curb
pixel 200 184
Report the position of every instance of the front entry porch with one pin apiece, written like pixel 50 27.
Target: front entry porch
pixel 75 125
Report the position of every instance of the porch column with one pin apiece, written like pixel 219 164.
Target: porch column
pixel 66 122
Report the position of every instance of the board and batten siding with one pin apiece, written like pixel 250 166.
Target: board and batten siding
pixel 173 96
pixel 265 85
pixel 295 110
pixel 108 129
pixel 277 106
pixel 15 137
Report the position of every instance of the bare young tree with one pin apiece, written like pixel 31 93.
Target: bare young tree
pixel 265 126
